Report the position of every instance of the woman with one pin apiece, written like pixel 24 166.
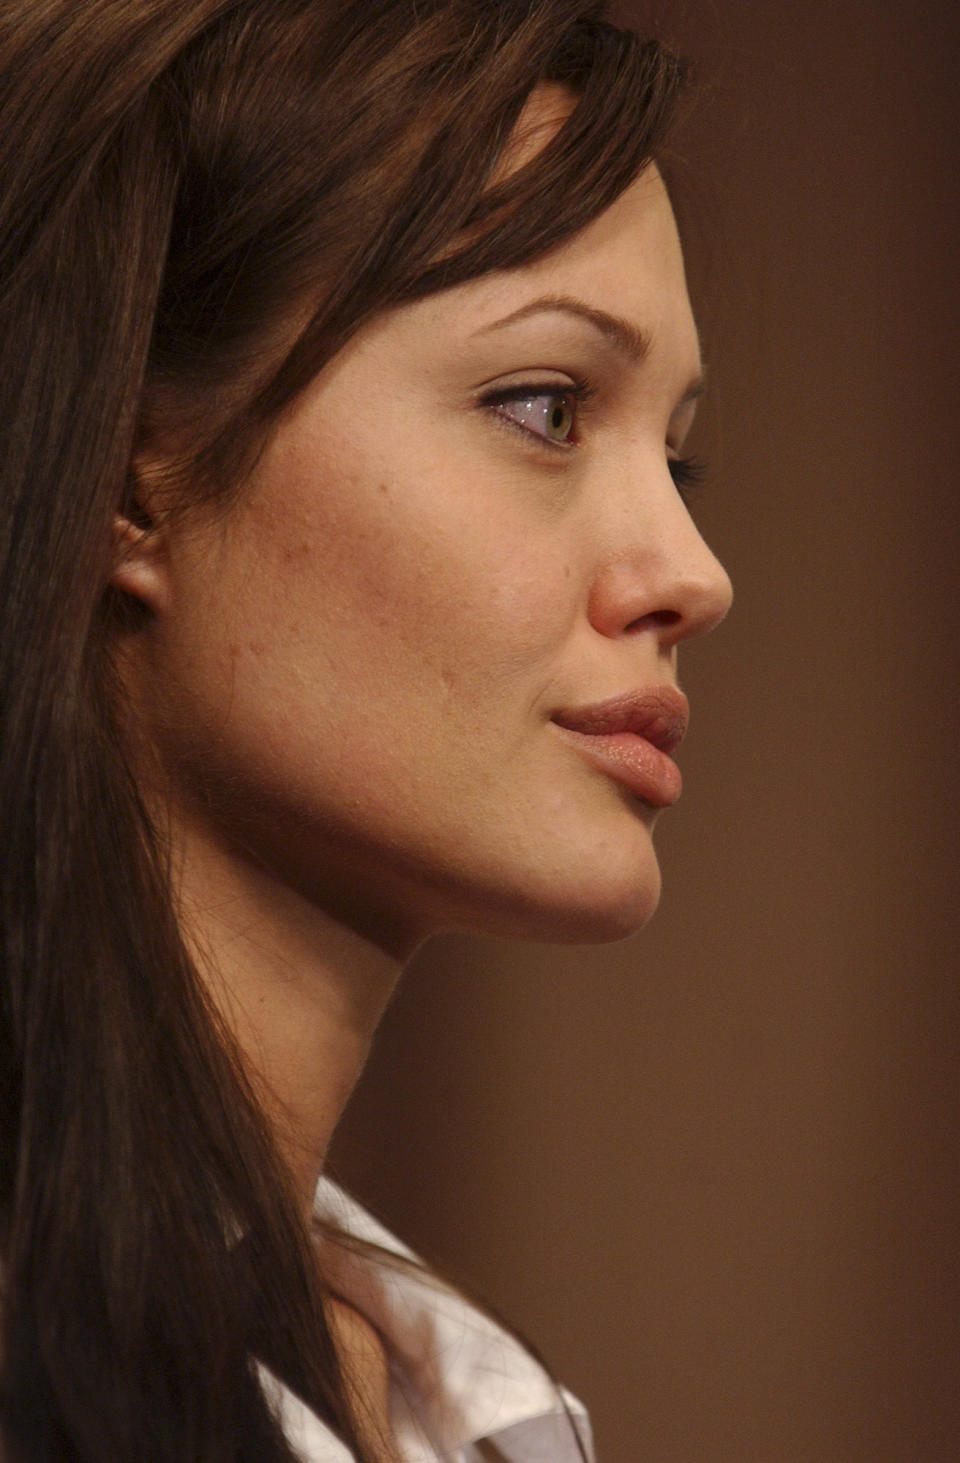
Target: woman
pixel 348 366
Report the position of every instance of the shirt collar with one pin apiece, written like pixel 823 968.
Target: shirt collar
pixel 460 1375
pixel 457 1377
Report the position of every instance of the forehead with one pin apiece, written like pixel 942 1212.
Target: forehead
pixel 631 249
pixel 636 235
pixel 627 262
pixel 543 114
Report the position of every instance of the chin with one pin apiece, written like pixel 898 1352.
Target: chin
pixel 609 890
pixel 592 906
pixel 599 921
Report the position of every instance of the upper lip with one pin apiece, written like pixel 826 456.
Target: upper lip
pixel 658 713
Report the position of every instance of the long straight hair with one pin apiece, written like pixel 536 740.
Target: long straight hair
pixel 176 178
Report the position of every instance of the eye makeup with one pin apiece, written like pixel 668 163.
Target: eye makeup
pixel 560 422
pixel 517 408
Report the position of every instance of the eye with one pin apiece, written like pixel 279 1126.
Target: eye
pixel 547 412
pixel 688 474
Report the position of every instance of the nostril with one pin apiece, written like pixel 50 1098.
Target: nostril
pixel 656 620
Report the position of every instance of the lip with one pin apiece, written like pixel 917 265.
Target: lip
pixel 631 737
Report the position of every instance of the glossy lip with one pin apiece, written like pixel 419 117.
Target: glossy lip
pixel 631 736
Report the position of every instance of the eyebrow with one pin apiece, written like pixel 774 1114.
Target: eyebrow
pixel 627 338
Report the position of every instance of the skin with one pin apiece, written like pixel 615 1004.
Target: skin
pixel 347 684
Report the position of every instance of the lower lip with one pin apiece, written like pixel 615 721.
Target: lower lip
pixel 634 762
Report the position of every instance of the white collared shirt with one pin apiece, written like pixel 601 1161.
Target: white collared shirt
pixel 461 1389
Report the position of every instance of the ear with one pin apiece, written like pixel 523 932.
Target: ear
pixel 141 555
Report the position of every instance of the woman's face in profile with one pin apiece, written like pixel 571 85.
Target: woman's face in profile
pixel 464 533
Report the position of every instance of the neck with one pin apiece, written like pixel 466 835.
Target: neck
pixel 301 990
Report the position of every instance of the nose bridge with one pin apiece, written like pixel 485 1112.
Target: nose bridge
pixel 656 570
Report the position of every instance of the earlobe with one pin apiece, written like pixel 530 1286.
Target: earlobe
pixel 140 559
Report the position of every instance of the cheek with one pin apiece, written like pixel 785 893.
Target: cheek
pixel 362 629
pixel 362 674
pixel 412 581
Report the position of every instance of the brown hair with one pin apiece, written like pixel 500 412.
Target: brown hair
pixel 178 177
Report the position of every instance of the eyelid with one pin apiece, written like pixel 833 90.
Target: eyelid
pixel 688 472
pixel 579 392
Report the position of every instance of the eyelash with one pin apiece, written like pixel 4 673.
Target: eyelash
pixel 580 393
pixel 688 473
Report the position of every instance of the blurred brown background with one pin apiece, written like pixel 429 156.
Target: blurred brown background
pixel 713 1171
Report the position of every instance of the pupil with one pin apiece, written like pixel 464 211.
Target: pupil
pixel 557 417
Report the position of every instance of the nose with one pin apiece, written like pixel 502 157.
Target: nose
pixel 659 575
